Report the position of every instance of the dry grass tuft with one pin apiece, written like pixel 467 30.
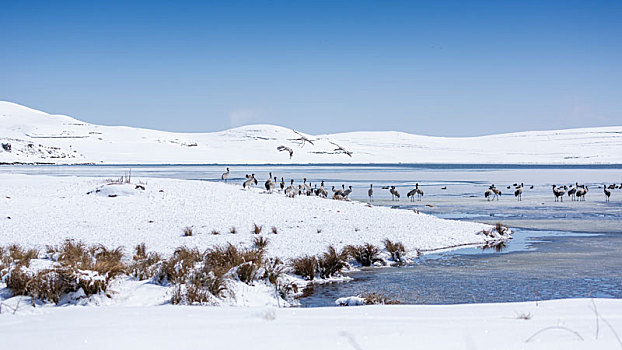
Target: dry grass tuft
pixel 273 270
pixel 500 228
pixel 365 255
pixel 5 260
pixel 256 229
pixel 396 250
pixel 215 232
pixel 74 254
pixel 260 242
pixel 378 298
pixel 248 272
pixel 188 231
pixel 144 265
pixel 18 280
pixel 275 230
pixel 331 263
pixel 109 263
pixel 221 260
pixel 233 230
pixel 21 256
pixel 140 251
pixel 305 267
pixel 179 265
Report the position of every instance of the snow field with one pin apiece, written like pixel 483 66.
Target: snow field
pixel 36 136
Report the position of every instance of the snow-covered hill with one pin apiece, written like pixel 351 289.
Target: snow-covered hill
pixel 31 136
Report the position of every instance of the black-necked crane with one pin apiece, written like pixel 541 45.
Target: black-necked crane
pixel 225 176
pixel 291 190
pixel 496 191
pixel 395 194
pixel 519 192
pixel 248 183
pixel 492 193
pixel 489 194
pixel 307 187
pixel 282 184
pixel 411 194
pixel 370 192
pixel 419 192
pixel 270 184
pixel 607 193
pixel 250 180
pixel 322 191
pixel 581 192
pixel 337 192
pixel 347 192
pixel 286 149
pixel 571 192
pixel 559 193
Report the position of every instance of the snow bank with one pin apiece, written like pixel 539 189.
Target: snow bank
pixel 36 211
pixel 36 136
pixel 560 324
pixel 350 301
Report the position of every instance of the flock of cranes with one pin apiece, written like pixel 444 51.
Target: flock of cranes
pixel 576 192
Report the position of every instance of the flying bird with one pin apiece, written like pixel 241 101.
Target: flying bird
pixel 341 149
pixel 303 139
pixel 285 148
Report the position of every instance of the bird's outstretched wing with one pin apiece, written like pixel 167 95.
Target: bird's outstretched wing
pixel 285 148
pixel 341 149
pixel 303 139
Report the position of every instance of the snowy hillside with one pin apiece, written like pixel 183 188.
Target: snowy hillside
pixel 125 215
pixel 30 136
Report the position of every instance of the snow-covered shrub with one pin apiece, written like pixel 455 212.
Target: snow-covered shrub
pixel 72 253
pixel 377 298
pixel 144 265
pixel 202 286
pixel 331 263
pixel 365 255
pixel 396 250
pixel 273 269
pixel 326 265
pixel 177 268
pixel 51 284
pixel 21 256
pixel 5 260
pixel 305 266
pixel 108 263
pixel 366 299
pixel 248 272
pixel 222 259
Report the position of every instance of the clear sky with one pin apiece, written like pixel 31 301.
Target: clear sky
pixel 447 68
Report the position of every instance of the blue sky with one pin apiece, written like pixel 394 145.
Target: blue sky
pixel 447 68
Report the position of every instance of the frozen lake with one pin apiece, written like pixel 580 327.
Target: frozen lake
pixel 561 249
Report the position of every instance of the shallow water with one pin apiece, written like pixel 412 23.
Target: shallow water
pixel 555 253
pixel 551 266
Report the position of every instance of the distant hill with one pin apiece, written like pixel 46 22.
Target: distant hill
pixel 31 136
